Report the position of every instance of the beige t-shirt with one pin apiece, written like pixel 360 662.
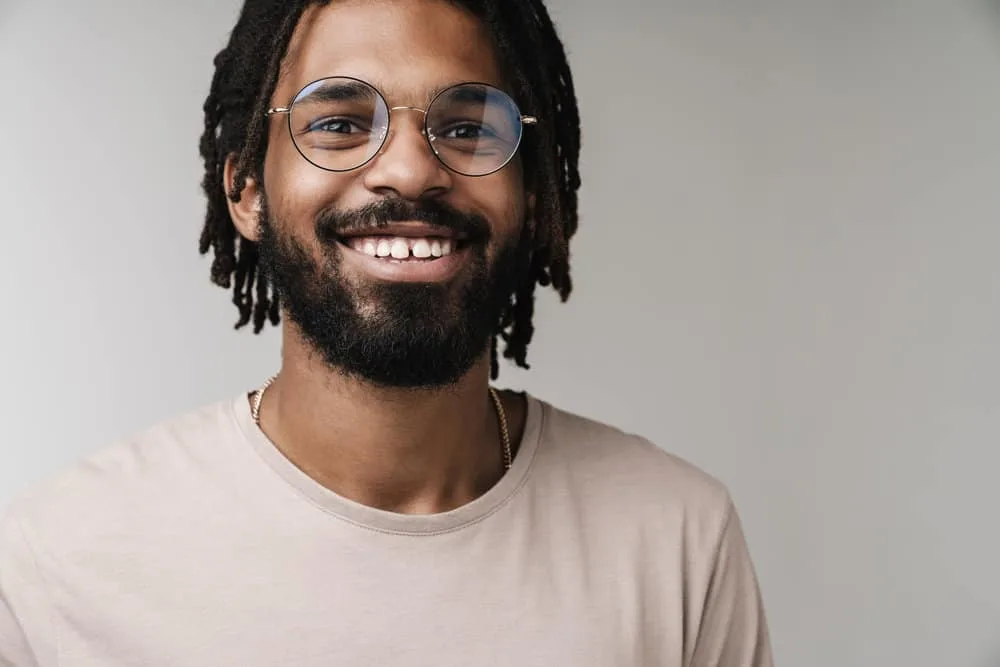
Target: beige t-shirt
pixel 197 544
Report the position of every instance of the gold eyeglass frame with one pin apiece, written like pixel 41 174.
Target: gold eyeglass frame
pixel 425 131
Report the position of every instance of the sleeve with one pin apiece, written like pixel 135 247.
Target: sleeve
pixel 733 630
pixel 25 630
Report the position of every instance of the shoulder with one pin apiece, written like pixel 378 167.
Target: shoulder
pixel 103 489
pixel 627 469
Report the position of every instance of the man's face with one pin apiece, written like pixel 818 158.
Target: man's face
pixel 412 322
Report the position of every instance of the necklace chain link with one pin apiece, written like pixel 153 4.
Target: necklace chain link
pixel 258 398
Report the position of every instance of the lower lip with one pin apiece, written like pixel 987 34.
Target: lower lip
pixel 393 270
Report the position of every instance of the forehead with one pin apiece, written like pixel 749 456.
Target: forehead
pixel 406 48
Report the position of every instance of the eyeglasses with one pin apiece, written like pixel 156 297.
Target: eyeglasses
pixel 340 123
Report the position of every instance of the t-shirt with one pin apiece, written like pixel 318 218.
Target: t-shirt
pixel 198 544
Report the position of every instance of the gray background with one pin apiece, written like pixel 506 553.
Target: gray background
pixel 785 273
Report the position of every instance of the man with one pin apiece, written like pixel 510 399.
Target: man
pixel 392 178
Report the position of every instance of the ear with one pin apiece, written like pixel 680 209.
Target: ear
pixel 245 212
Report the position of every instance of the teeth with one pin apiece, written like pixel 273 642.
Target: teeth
pixel 421 249
pixel 402 248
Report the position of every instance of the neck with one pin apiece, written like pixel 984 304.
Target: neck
pixel 415 451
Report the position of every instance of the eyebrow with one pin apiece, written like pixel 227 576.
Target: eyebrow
pixel 354 90
pixel 466 94
pixel 338 92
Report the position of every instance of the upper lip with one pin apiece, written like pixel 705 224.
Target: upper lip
pixel 405 230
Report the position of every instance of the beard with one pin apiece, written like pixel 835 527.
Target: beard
pixel 400 335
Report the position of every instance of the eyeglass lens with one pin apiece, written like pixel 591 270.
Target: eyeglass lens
pixel 340 123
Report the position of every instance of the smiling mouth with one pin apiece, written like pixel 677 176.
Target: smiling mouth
pixel 404 248
pixel 406 242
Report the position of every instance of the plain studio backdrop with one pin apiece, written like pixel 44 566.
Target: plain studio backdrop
pixel 785 273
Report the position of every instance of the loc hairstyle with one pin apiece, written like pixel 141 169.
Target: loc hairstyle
pixel 529 49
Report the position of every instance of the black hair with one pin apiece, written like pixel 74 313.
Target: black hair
pixel 246 73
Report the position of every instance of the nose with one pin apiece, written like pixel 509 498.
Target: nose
pixel 406 167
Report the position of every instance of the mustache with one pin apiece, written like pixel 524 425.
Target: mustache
pixel 332 224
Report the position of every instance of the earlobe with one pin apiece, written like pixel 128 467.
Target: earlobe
pixel 245 212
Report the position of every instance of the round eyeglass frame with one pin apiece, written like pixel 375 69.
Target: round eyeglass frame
pixel 425 131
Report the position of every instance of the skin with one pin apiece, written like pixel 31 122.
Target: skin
pixel 408 451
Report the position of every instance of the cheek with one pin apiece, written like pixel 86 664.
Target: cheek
pixel 511 221
pixel 502 196
pixel 296 189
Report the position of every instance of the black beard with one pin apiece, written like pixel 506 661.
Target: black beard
pixel 420 335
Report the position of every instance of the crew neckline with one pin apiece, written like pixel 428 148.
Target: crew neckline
pixel 384 521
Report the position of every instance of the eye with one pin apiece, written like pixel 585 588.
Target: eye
pixel 468 130
pixel 335 126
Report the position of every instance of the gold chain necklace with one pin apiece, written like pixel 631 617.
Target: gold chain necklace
pixel 258 397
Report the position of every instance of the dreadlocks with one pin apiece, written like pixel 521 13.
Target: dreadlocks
pixel 246 73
